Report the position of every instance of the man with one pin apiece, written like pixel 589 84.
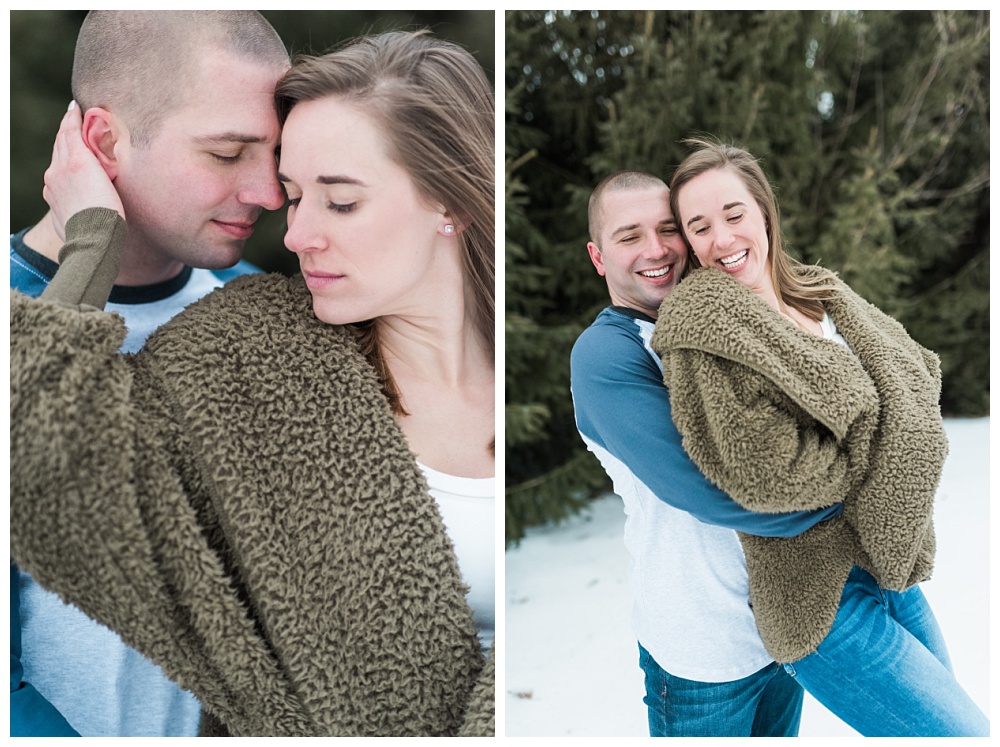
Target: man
pixel 706 670
pixel 178 108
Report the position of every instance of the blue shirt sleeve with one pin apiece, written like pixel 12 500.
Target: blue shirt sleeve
pixel 623 406
pixel 31 715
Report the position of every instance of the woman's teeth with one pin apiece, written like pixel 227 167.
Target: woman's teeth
pixel 736 260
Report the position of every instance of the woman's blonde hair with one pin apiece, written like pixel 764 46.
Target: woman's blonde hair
pixel 434 104
pixel 803 287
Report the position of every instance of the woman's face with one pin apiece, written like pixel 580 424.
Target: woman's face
pixel 366 241
pixel 726 228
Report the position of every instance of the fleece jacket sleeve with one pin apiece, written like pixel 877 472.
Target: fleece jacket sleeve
pixel 105 508
pixel 480 715
pixel 754 443
pixel 89 260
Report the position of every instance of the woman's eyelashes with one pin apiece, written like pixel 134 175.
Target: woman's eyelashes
pixel 700 230
pixel 337 207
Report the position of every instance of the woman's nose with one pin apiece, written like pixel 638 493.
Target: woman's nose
pixel 723 237
pixel 302 235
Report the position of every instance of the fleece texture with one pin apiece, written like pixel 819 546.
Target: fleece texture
pixel 238 503
pixel 783 420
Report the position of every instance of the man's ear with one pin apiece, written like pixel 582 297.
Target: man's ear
pixel 595 257
pixel 104 134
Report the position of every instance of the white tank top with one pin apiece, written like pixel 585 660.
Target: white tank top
pixel 467 508
pixel 830 331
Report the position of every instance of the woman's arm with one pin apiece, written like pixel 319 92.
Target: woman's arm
pixel 480 715
pixel 778 418
pixel 89 260
pixel 87 213
pixel 107 508
pixel 753 442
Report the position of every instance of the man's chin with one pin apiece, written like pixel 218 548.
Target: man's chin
pixel 219 256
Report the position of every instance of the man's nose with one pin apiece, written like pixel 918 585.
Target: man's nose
pixel 263 188
pixel 653 247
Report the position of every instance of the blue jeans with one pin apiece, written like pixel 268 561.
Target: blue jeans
pixel 768 703
pixel 884 669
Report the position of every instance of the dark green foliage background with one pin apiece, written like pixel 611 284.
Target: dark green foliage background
pixel 42 45
pixel 873 127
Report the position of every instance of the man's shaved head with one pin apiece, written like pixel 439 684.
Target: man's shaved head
pixel 619 181
pixel 138 63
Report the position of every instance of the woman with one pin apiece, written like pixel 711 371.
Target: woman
pixel 241 499
pixel 793 393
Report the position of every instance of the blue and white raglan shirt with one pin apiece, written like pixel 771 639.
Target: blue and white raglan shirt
pixel 70 674
pixel 687 571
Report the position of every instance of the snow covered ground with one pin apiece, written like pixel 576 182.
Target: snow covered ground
pixel 570 659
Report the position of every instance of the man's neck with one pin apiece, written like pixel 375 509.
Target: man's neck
pixel 137 268
pixel 634 313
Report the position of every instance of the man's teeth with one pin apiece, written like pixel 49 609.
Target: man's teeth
pixel 655 273
pixel 735 260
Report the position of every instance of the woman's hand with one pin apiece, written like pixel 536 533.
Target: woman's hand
pixel 75 179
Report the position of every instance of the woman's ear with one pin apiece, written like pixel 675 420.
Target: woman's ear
pixel 450 226
pixel 104 134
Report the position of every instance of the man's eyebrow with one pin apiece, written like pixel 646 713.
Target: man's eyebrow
pixel 635 226
pixel 329 180
pixel 727 206
pixel 229 137
pixel 623 229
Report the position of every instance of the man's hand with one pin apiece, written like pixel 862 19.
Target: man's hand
pixel 75 179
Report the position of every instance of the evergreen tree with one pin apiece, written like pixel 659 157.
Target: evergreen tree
pixel 538 413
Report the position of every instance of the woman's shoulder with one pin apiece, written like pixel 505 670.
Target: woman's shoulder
pixel 250 312
pixel 284 294
pixel 701 296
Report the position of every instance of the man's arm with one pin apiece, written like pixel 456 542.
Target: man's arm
pixel 31 715
pixel 622 405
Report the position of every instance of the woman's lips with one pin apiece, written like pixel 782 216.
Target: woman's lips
pixel 319 280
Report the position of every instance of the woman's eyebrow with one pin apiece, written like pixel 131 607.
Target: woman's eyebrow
pixel 727 206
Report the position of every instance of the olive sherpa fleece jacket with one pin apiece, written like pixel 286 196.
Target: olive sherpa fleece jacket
pixel 783 420
pixel 238 502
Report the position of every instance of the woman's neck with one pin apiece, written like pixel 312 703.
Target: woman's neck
pixel 442 344
pixel 444 373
